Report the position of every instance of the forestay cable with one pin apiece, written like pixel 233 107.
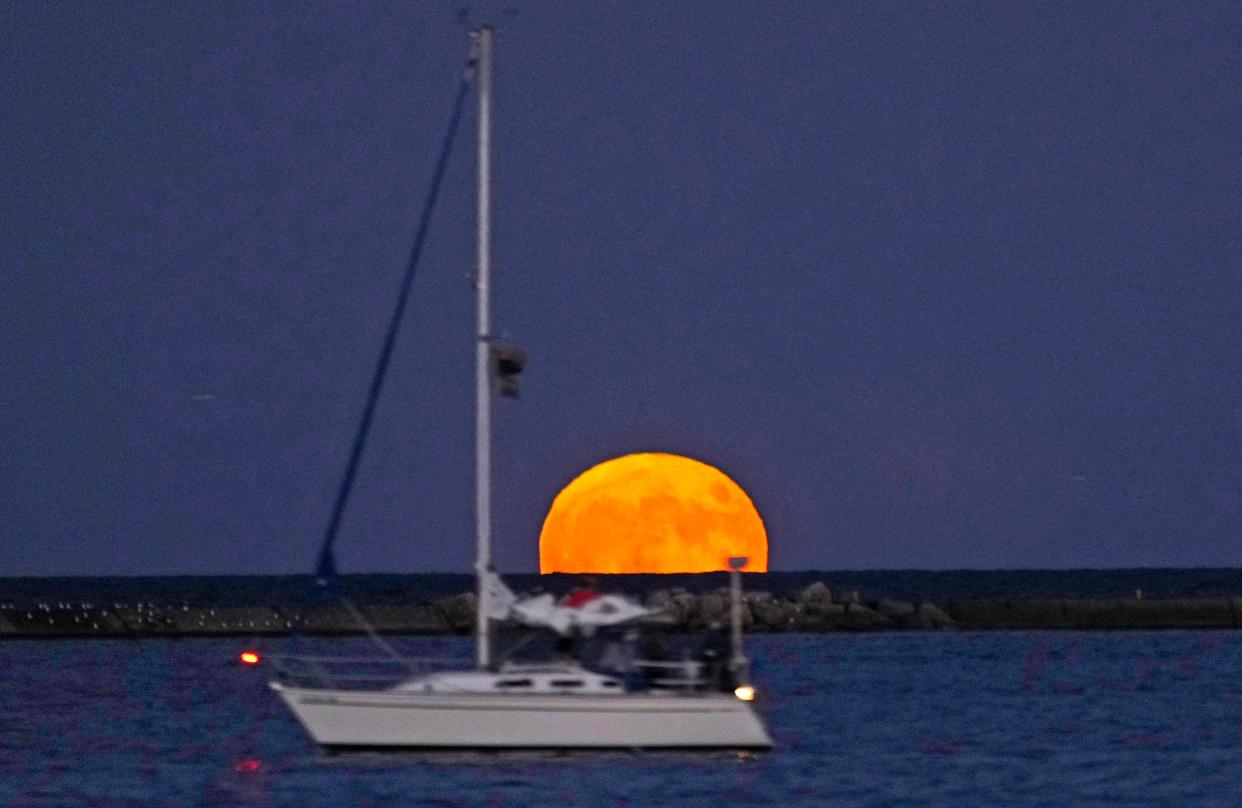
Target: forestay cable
pixel 325 569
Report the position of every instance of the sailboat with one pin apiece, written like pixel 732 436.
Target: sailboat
pixel 501 703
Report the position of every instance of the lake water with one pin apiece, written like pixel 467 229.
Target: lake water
pixel 955 719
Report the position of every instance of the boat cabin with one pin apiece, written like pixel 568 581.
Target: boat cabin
pixel 517 679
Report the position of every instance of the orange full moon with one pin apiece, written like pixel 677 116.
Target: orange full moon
pixel 651 513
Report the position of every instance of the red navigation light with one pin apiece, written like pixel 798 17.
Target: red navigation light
pixel 249 658
pixel 246 766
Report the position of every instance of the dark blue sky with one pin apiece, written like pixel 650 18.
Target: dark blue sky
pixel 941 285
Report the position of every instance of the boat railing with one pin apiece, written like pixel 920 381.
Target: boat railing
pixel 380 673
pixel 352 672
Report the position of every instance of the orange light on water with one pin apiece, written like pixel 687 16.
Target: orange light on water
pixel 249 658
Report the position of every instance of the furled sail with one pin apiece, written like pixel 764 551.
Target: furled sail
pixel 543 611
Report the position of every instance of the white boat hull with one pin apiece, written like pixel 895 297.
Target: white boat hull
pixel 351 719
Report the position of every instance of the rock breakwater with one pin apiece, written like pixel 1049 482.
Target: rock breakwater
pixel 817 607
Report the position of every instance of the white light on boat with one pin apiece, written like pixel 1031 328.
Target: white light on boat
pixel 745 693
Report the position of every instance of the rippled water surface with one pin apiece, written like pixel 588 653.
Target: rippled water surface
pixel 889 719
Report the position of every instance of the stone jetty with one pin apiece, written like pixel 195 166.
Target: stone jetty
pixel 815 608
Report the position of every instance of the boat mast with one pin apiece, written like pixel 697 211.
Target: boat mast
pixel 483 398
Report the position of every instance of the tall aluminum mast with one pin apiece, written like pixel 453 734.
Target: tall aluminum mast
pixel 483 394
